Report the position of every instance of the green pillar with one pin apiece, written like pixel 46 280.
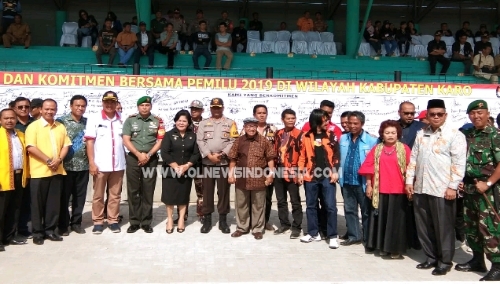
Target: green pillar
pixel 143 8
pixel 60 19
pixel 365 20
pixel 352 27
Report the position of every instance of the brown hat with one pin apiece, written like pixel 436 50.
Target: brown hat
pixel 110 96
pixel 216 102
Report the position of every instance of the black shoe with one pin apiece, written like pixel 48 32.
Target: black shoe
pixel 350 242
pixel 207 224
pixel 78 229
pixel 471 266
pixel 63 232
pixel 16 242
pixel 344 237
pixel 295 234
pixel 147 229
pixel 281 230
pixel 440 271
pixel 133 228
pixel 223 224
pixel 54 238
pixel 120 219
pixel 426 265
pixel 493 274
pixel 25 234
pixel 38 241
pixel 369 250
pixel 2 248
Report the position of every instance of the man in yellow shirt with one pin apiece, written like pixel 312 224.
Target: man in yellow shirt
pixel 305 23
pixel 126 44
pixel 47 143
pixel 13 177
pixel 17 33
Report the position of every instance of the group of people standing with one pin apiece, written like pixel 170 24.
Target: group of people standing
pixel 406 182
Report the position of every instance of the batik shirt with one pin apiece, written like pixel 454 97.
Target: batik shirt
pixel 76 159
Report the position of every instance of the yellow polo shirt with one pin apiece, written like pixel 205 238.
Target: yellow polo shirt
pixel 49 139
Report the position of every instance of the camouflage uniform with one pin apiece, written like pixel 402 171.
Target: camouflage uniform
pixel 481 227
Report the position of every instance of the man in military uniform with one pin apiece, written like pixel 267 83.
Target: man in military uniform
pixel 480 186
pixel 267 130
pixel 215 138
pixel 142 135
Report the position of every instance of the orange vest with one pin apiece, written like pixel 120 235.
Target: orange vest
pixel 307 161
pixel 288 154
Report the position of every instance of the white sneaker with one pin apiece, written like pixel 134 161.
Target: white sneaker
pixel 334 243
pixel 308 238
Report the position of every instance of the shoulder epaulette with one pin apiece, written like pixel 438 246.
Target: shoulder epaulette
pixel 133 115
pixel 157 117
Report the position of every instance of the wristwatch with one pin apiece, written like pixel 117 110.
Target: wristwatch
pixel 489 184
pixel 49 161
pixel 149 155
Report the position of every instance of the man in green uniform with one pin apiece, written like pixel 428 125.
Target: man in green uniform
pixel 142 135
pixel 480 186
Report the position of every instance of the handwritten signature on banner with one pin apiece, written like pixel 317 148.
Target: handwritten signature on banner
pixel 286 89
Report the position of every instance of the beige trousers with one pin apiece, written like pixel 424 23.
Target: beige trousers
pixel 113 180
pixel 220 54
pixel 250 202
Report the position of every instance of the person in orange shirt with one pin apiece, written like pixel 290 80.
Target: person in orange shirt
pixel 305 23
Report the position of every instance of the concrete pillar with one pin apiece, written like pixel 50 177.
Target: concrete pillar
pixel 352 27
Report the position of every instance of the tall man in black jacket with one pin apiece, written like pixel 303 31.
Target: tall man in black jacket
pixel 436 50
pixel 145 45
pixel 462 52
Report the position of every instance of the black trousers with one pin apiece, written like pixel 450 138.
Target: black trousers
pixel 203 51
pixel 282 187
pixel 150 53
pixel 459 222
pixel 435 219
pixel 269 201
pixel 10 204
pixel 45 204
pixel 74 188
pixel 400 46
pixel 170 55
pixel 25 211
pixel 208 186
pixel 140 190
pixel 433 59
pixel 183 38
pixel 466 61
pixel 322 213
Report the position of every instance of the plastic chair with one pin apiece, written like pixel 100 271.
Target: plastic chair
pixel 299 43
pixel 253 42
pixel 69 36
pixel 87 41
pixel 270 38
pixel 134 29
pixel 282 45
pixel 314 43
pixel 329 46
pixel 449 40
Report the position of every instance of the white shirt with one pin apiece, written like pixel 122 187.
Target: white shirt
pixel 437 160
pixel 109 153
pixel 462 46
pixel 17 151
pixel 144 38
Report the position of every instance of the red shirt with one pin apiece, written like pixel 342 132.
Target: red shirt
pixel 331 127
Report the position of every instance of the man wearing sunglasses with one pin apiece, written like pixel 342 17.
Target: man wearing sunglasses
pixel 437 166
pixel 408 123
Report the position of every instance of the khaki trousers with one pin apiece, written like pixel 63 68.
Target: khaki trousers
pixel 113 180
pixel 9 39
pixel 254 202
pixel 220 54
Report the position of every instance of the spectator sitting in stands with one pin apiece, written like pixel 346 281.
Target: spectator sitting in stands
pixel 445 31
pixel 126 44
pixel 378 25
pixel 319 24
pixel 158 25
pixel 223 42
pixel 17 33
pixel 145 45
pixel 387 35
pixel 403 37
pixel 107 40
pixel 202 45
pixel 36 107
pixel 224 19
pixel 134 21
pixel 496 33
pixel 464 31
pixel 305 23
pixel 115 24
pixel 168 41
pixel 255 24
pixel 170 16
pixel 411 28
pixel 179 27
pixel 282 27
pixel 10 9
pixel 482 30
pixel 462 52
pixel 436 50
pixel 87 26
pixel 484 65
pixel 485 41
pixel 239 37
pixel 194 27
pixel 372 38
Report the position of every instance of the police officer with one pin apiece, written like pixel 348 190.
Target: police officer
pixel 215 137
pixel 480 185
pixel 142 135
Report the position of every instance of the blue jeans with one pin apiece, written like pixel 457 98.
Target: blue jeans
pixel 354 196
pixel 201 51
pixel 390 46
pixel 125 55
pixel 330 200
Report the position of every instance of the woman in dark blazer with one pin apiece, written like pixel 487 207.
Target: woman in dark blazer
pixel 179 152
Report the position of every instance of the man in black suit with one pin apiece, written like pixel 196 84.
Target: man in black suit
pixel 436 50
pixel 462 52
pixel 145 45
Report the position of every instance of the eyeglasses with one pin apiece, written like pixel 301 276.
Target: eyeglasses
pixel 23 107
pixel 436 114
pixel 409 113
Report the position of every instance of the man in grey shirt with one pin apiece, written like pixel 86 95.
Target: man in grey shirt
pixel 215 137
pixel 223 42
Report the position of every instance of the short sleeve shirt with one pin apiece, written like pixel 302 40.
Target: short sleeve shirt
pixel 76 159
pixel 107 36
pixel 223 39
pixel 144 132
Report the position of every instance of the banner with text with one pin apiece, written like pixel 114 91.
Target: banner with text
pixel 377 100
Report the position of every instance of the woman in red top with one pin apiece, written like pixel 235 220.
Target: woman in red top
pixel 385 168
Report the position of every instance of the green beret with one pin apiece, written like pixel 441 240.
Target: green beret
pixel 144 99
pixel 477 104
